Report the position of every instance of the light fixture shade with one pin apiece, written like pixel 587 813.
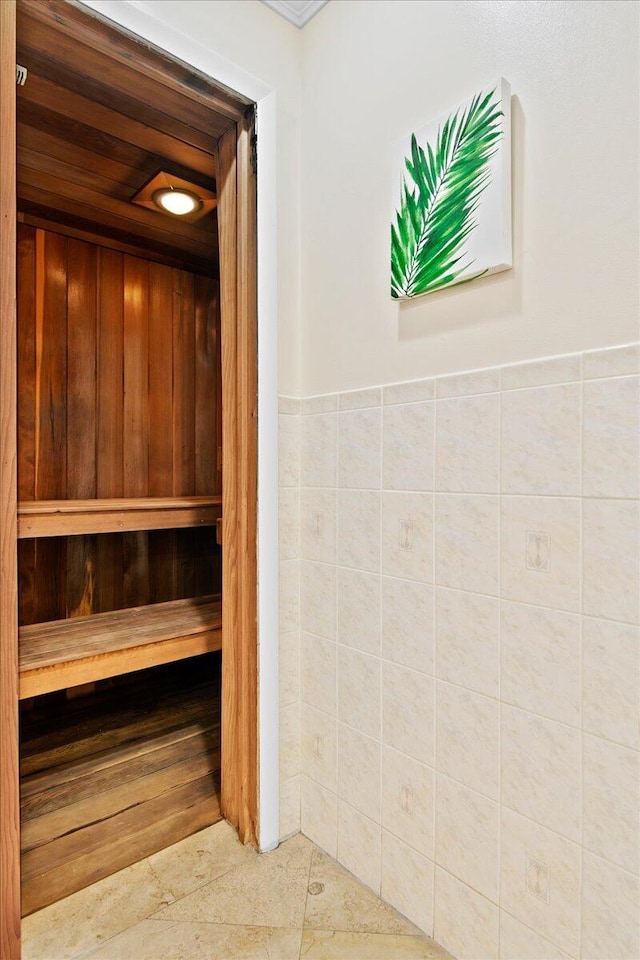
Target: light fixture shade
pixel 175 197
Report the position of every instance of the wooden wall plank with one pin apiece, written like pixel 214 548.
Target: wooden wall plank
pixel 206 379
pixel 9 797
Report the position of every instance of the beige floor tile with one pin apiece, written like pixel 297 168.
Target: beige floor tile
pixel 87 918
pixel 168 940
pixel 329 945
pixel 269 891
pixel 198 860
pixel 337 901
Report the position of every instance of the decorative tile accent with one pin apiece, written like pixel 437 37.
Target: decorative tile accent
pixel 538 551
pixel 318 512
pixel 559 520
pixel 407 536
pixel 537 878
pixel 318 747
pixel 557 920
pixel 408 800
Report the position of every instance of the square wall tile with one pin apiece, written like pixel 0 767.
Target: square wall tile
pixel 611 691
pixel 359 439
pixel 289 807
pixel 408 718
pixel 408 800
pixel 319 815
pixel 359 530
pixel 610 899
pixel 541 440
pixel 288 451
pixel 407 536
pixel 288 523
pixel 318 450
pixel 289 596
pixel 359 771
pixel 468 542
pixel 407 624
pixel 318 598
pixel 359 691
pixel 467 640
pixel 289 741
pixel 318 514
pixel 407 447
pixel 540 881
pixel 322 403
pixel 465 923
pixel 518 942
pixel 611 438
pixel 468 731
pixel 359 610
pixel 318 747
pixel 541 661
pixel 359 842
pixel 612 802
pixel 468 444
pixel 289 668
pixel 611 559
pixel 541 551
pixel 467 836
pixel 541 771
pixel 407 881
pixel 318 672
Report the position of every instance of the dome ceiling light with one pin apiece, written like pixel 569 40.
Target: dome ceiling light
pixel 175 197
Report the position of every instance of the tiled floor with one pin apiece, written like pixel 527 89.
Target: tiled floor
pixel 210 898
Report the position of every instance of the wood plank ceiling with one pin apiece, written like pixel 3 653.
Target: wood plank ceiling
pixel 95 124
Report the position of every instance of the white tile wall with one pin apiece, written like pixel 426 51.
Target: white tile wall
pixel 470 660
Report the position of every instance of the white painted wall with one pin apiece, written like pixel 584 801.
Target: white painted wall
pixel 373 71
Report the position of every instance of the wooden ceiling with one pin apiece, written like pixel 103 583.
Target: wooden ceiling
pixel 99 115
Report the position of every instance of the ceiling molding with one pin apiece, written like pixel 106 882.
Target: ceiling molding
pixel 297 12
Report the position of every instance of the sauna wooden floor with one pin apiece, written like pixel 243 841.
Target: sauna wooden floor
pixel 113 777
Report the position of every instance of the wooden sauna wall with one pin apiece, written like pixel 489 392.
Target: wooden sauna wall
pixel 119 396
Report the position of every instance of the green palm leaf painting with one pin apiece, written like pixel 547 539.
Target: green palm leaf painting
pixel 440 199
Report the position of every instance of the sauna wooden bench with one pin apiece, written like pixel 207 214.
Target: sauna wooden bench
pixel 66 518
pixel 66 653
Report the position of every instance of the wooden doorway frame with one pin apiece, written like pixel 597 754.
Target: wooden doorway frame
pixel 238 260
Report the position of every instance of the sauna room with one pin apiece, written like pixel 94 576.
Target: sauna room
pixel 119 447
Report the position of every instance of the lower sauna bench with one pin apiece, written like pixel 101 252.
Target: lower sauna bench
pixel 110 777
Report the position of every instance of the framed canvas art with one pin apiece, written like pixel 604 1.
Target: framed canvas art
pixel 451 215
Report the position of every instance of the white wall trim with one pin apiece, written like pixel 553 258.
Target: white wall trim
pixel 298 13
pixel 135 15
